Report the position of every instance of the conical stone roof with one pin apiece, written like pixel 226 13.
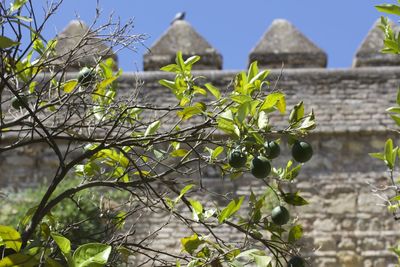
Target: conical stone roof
pixel 86 53
pixel 369 52
pixel 283 43
pixel 181 36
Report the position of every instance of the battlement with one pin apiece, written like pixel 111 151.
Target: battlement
pixel 281 46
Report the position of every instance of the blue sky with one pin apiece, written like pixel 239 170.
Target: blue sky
pixel 234 27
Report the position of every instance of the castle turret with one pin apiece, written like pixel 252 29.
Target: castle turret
pixel 181 36
pixel 369 53
pixel 282 43
pixel 78 46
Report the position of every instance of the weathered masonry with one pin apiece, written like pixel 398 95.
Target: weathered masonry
pixel 344 225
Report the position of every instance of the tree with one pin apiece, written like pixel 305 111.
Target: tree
pixel 154 154
pixel 391 193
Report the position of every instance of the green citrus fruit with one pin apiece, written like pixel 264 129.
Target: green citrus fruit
pixel 302 151
pixel 86 77
pixel 272 149
pixel 260 167
pixel 280 215
pixel 237 158
pixel 296 261
pixel 19 103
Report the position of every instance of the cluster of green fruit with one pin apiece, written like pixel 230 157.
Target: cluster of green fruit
pixel 260 166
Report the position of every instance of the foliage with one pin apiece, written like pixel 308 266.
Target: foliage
pixel 84 208
pixel 155 153
pixel 391 152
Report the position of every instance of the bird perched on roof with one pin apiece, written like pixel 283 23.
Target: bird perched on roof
pixel 179 16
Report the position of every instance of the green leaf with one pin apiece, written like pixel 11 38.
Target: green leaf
pixel 199 90
pixel 191 243
pixel 243 111
pixel 396 119
pixel 398 96
pixel 396 198
pixel 309 122
pixel 396 250
pixel 217 152
pixel 261 76
pixel 262 260
pixel 70 85
pixel 189 112
pixel 152 128
pixel 38 45
pixel 388 153
pixel 10 238
pixel 179 60
pixel 190 61
pixel 253 71
pixel 112 157
pixel 295 233
pixel 91 255
pixel 213 90
pixel 228 115
pixel 240 83
pixel 171 68
pixel 196 206
pixel 290 171
pixel 297 113
pixel 17 5
pixel 227 126
pixel 32 86
pixel 377 156
pixel 231 209
pixel 179 153
pixel 281 105
pixel 169 84
pixel 271 100
pixel 184 101
pixel 184 191
pixel 106 82
pixel 263 120
pixel 6 42
pixel 193 263
pixel 247 109
pixel 240 99
pixel 19 260
pixel 258 256
pixel 393 109
pixel 389 9
pixel 294 199
pixel 63 243
pixel 107 68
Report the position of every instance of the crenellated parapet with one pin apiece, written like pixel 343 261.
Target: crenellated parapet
pixel 281 46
